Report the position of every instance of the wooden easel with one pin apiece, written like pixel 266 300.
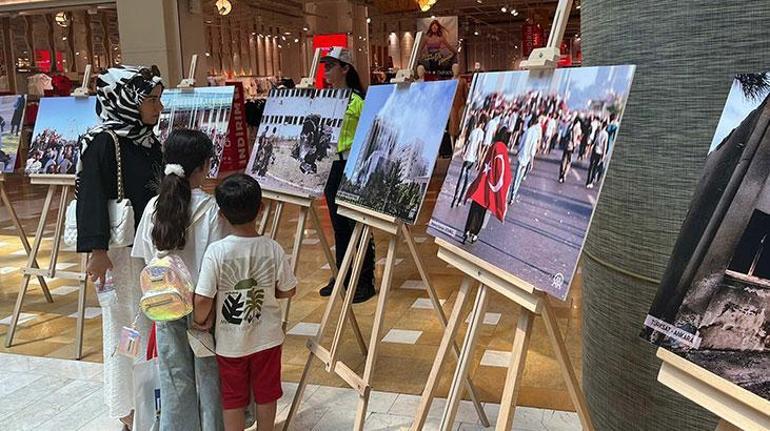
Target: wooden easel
pixel 54 182
pixel 22 235
pixel 737 407
pixel 367 220
pixel 530 302
pixel 306 206
pixel 306 209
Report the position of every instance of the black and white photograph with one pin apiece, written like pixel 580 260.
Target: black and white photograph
pixel 297 139
pixel 713 302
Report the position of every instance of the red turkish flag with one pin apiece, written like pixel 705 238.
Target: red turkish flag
pixel 490 189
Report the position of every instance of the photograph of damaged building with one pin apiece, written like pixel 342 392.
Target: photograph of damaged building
pixel 713 304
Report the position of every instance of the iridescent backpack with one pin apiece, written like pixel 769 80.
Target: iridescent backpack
pixel 167 287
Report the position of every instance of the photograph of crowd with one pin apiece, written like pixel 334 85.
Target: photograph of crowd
pixel 395 148
pixel 206 109
pixel 55 144
pixel 527 169
pixel 11 117
pixel 297 139
pixel 713 302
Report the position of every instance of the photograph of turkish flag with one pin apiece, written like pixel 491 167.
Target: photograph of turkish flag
pixel 491 186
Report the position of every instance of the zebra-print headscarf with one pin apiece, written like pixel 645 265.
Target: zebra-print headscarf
pixel 119 92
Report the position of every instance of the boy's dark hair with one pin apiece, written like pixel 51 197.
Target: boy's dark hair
pixel 239 198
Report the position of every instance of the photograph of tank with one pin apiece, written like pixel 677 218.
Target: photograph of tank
pixel 11 117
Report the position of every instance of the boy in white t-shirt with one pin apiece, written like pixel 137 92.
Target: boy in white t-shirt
pixel 242 277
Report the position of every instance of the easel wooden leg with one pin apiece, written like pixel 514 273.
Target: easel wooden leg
pixel 333 265
pixel 562 356
pixel 723 425
pixel 298 236
pixel 456 391
pixel 276 220
pixel 441 355
pixel 515 369
pixel 265 216
pixel 442 318
pixel 24 241
pixel 336 294
pixel 348 301
pixel 379 318
pixel 58 231
pixel 82 293
pixel 324 243
pixel 30 261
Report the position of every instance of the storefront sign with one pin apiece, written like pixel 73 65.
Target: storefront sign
pixel 532 36
pixel 439 48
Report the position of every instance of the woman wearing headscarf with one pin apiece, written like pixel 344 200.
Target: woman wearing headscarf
pixel 128 104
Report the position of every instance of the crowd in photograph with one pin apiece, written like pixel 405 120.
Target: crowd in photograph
pixel 51 153
pixel 531 125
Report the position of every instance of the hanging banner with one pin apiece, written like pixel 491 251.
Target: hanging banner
pixel 566 53
pixel 236 152
pixel 532 36
pixel 439 44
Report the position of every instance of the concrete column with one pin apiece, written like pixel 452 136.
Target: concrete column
pixel 261 54
pixel 686 54
pixel 162 32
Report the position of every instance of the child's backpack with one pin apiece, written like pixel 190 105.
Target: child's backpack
pixel 167 287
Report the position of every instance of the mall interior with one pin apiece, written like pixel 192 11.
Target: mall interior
pixel 634 296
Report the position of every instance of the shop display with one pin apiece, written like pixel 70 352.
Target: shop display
pixel 395 147
pixel 11 116
pixel 713 303
pixel 439 48
pixel 206 109
pixel 528 167
pixel 297 140
pixel 55 144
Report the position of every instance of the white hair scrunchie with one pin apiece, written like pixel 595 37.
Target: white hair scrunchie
pixel 174 169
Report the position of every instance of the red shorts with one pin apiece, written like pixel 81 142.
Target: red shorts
pixel 259 372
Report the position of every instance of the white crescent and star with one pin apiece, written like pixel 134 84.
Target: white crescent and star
pixel 497 186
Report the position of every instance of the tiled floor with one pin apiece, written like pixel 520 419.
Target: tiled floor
pixel 63 395
pixel 402 367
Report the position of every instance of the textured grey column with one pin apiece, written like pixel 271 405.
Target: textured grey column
pixel 685 52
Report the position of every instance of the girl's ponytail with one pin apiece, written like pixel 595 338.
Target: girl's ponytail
pixel 183 152
pixel 172 213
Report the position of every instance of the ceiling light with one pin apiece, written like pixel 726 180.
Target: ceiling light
pixel 476 33
pixel 224 7
pixel 305 29
pixel 503 9
pixel 296 40
pixel 62 19
pixel 368 20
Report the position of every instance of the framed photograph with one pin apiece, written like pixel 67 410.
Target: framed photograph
pixel 297 139
pixel 713 303
pixel 528 168
pixel 11 119
pixel 206 109
pixel 55 144
pixel 395 148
